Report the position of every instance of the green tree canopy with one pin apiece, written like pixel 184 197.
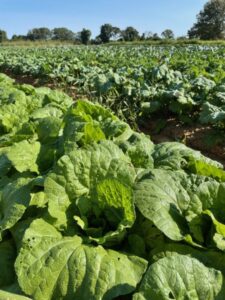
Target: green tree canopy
pixel 167 34
pixel 85 36
pixel 107 31
pixel 130 34
pixel 210 23
pixel 41 33
pixel 156 37
pixel 147 35
pixel 19 37
pixel 3 36
pixel 63 34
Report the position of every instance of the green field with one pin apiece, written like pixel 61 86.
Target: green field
pixel 130 80
pixel 147 86
pixel 100 195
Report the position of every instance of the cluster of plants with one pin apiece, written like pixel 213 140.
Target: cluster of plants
pixel 186 82
pixel 199 99
pixel 90 209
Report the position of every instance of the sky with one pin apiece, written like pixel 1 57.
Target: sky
pixel 18 16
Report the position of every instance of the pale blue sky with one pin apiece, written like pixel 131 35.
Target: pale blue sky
pixel 18 16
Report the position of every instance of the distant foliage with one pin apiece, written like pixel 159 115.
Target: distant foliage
pixel 130 34
pixel 156 37
pixel 63 34
pixel 3 36
pixel 210 23
pixel 19 37
pixel 106 33
pixel 42 33
pixel 85 36
pixel 167 34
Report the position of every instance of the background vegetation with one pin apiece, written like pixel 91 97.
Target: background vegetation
pixel 210 25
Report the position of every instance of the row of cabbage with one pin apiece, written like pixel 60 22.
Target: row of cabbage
pixel 187 82
pixel 90 209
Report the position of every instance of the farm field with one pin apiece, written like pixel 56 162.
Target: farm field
pixel 170 92
pixel 91 209
pixel 100 195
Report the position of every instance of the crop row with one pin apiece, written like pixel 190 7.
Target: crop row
pixel 185 82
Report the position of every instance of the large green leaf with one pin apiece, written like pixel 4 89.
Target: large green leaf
pixel 162 199
pixel 46 112
pixel 139 148
pixel 217 232
pixel 48 129
pixel 148 232
pixel 175 201
pixel 176 156
pixel 23 156
pixel 86 122
pixel 212 114
pixel 180 277
pixel 56 98
pixel 51 267
pixel 4 295
pixel 15 199
pixel 209 257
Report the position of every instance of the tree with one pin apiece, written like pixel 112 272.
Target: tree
pixel 97 40
pixel 167 34
pixel 156 37
pixel 3 36
pixel 19 37
pixel 63 34
pixel 85 36
pixel 147 35
pixel 106 32
pixel 210 23
pixel 41 33
pixel 116 34
pixel 130 34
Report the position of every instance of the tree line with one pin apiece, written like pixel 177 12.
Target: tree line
pixel 210 25
pixel 107 33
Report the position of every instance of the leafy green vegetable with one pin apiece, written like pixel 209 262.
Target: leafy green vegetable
pixel 139 148
pixel 93 184
pixel 15 199
pixel 175 202
pixel 212 114
pixel 24 155
pixel 176 156
pixel 90 209
pixel 86 123
pixel 11 296
pixel 181 277
pixel 64 268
